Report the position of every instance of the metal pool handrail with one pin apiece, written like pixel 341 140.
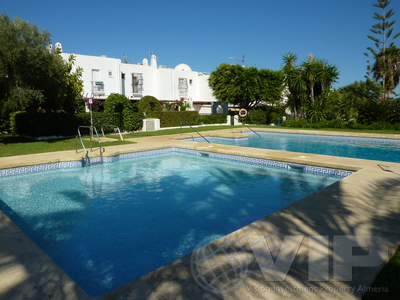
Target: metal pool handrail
pixel 102 131
pixel 247 126
pixel 194 130
pixel 91 128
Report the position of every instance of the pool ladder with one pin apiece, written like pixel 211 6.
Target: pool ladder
pixel 87 161
pixel 194 130
pixel 115 127
pixel 248 127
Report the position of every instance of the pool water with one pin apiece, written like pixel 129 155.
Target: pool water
pixel 355 147
pixel 106 225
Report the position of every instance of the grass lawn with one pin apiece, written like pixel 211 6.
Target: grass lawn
pixel 10 146
pixel 388 278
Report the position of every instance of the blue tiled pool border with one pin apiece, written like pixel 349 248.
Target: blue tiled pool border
pixel 270 163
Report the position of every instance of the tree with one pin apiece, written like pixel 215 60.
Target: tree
pixel 356 96
pixel 246 87
pixel 308 85
pixel 387 69
pixel 31 76
pixel 382 68
pixel 294 83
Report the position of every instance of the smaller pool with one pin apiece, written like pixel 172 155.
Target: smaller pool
pixel 106 225
pixel 382 149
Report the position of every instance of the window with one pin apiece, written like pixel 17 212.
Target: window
pixel 95 75
pixel 183 87
pixel 137 83
pixel 97 84
pixel 110 74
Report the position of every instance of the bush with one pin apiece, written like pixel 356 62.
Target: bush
pixel 117 103
pixel 295 123
pixel 13 123
pixel 177 118
pixel 60 124
pixel 47 124
pixel 257 117
pixel 132 120
pixel 149 106
pixel 371 111
pixel 381 125
pixel 213 119
pixel 273 118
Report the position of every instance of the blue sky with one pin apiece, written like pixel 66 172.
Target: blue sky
pixel 206 33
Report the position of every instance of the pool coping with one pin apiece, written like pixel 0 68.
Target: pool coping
pixel 365 203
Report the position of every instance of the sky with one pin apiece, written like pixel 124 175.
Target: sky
pixel 206 33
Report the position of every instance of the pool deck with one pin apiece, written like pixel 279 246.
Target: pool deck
pixel 365 205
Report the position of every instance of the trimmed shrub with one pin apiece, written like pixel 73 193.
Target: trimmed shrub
pixel 60 124
pixel 132 120
pixel 273 118
pixel 341 124
pixel 213 119
pixel 48 124
pixel 117 103
pixel 177 118
pixel 13 123
pixel 149 106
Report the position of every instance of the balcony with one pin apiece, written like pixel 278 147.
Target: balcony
pixel 98 88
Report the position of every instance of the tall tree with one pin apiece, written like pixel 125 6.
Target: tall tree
pixel 309 84
pixel 387 69
pixel 245 87
pixel 384 41
pixel 31 76
pixel 295 86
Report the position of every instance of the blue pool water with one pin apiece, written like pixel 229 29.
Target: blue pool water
pixel 106 225
pixel 355 147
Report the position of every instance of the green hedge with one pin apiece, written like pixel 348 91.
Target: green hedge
pixel 49 124
pixel 60 124
pixel 341 124
pixel 264 116
pixel 177 118
pixel 149 106
pixel 213 119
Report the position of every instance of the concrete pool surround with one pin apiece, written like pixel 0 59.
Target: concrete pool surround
pixel 359 210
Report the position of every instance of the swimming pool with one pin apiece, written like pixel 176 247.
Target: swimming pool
pixel 382 149
pixel 106 225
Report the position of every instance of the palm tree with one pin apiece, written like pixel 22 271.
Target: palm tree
pixel 311 68
pixel 319 76
pixel 387 68
pixel 309 84
pixel 295 85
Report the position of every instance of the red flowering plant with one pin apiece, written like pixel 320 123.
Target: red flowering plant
pixel 97 104
pixel 182 104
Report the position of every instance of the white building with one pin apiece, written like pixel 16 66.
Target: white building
pixel 103 76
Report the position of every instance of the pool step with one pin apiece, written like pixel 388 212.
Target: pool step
pixel 298 168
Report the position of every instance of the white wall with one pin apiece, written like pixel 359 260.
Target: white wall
pixel 112 83
pixel 160 82
pixel 205 92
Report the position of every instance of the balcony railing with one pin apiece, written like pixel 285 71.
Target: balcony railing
pixel 98 88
